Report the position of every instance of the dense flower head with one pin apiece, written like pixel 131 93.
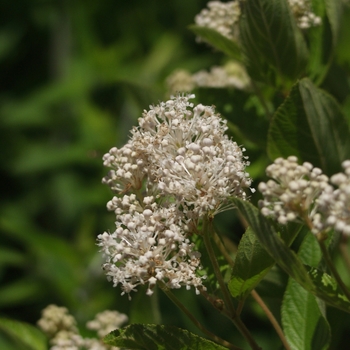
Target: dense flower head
pixel 149 244
pixel 290 194
pixel 230 75
pixel 302 12
pixel 60 327
pixel 222 17
pixel 183 151
pixel 106 322
pixel 334 203
pixel 177 168
pixel 303 193
pixel 55 319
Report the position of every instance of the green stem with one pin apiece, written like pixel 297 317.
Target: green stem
pixel 207 230
pixel 226 295
pixel 262 99
pixel 343 247
pixel 183 308
pixel 334 271
pixel 254 294
pixel 272 319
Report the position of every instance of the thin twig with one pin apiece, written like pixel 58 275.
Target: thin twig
pixel 272 319
pixel 207 230
pixel 216 267
pixel 183 308
pixel 343 247
pixel 255 295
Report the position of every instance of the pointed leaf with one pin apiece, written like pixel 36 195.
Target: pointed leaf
pixel 303 320
pixel 311 126
pixel 320 44
pixel 217 40
pixel 158 337
pixel 327 289
pixel 273 243
pixel 334 9
pixel 24 334
pixel 251 264
pixel 271 41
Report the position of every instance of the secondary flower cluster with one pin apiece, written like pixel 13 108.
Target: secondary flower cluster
pixel 303 193
pixel 302 12
pixel 231 75
pixel 61 328
pixel 222 17
pixel 177 167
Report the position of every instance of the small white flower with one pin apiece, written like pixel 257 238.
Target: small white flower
pixel 335 203
pixel 222 17
pixel 106 322
pixel 55 319
pixel 195 162
pixel 304 16
pixel 151 247
pixel 178 167
pixel 291 194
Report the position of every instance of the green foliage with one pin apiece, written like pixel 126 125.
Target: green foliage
pixel 220 42
pixel 271 41
pixel 303 316
pixel 310 125
pixel 318 283
pixel 158 337
pixel 25 335
pixel 252 263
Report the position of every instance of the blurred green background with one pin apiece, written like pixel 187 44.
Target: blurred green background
pixel 75 76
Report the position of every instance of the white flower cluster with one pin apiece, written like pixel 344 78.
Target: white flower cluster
pixel 178 167
pixel 231 75
pixel 106 322
pixel 303 193
pixel 302 12
pixel 292 192
pixel 335 203
pixel 148 245
pixel 222 17
pixel 61 328
pixel 55 319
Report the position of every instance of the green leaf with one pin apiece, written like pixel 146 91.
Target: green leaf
pixel 327 289
pixel 273 243
pixel 334 10
pixel 19 291
pixel 311 126
pixel 217 40
pixel 313 280
pixel 23 333
pixel 320 45
pixel 303 320
pixel 273 45
pixel 251 264
pixel 158 337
